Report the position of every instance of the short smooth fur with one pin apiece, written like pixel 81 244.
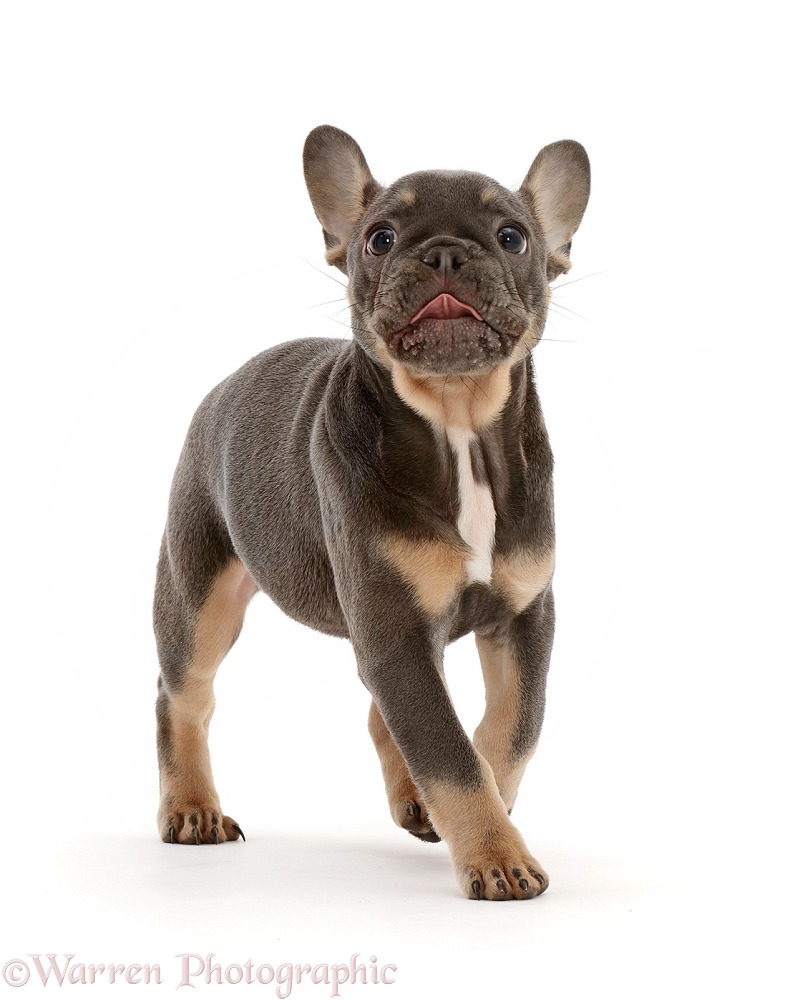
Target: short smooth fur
pixel 394 489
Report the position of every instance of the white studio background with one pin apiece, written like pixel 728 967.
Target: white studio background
pixel 155 232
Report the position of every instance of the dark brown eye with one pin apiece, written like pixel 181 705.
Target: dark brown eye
pixel 381 240
pixel 512 239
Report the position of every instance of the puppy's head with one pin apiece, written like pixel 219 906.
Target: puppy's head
pixel 448 270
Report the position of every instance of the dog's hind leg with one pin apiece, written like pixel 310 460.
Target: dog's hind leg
pixel 201 595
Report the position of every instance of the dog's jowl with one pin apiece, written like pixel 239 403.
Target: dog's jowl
pixel 394 489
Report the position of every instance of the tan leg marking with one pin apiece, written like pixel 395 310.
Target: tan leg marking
pixel 406 802
pixel 489 856
pixel 434 570
pixel 188 795
pixel 494 734
pixel 522 576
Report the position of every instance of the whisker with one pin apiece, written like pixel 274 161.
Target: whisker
pixel 344 285
pixel 561 306
pixel 418 384
pixel 351 327
pixel 478 388
pixel 343 309
pixel 572 281
pixel 329 302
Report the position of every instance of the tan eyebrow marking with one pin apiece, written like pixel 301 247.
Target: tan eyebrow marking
pixel 408 197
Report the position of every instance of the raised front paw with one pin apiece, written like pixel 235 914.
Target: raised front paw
pixel 198 824
pixel 409 812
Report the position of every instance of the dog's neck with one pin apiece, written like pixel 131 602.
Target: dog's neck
pixel 467 402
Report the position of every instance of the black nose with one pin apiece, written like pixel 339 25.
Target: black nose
pixel 445 258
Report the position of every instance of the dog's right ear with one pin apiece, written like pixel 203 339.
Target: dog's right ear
pixel 340 186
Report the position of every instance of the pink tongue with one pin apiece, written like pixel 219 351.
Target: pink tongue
pixel 445 307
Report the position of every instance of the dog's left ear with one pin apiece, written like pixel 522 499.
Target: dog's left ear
pixel 557 186
pixel 340 185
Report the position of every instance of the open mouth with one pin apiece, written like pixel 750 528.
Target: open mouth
pixel 445 307
pixel 447 336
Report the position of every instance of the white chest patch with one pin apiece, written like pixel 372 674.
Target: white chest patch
pixel 477 516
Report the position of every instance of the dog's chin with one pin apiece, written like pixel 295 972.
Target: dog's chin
pixel 456 347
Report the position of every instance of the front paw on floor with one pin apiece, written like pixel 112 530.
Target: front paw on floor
pixel 504 881
pixel 199 825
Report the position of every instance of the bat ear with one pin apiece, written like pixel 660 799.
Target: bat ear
pixel 340 186
pixel 557 186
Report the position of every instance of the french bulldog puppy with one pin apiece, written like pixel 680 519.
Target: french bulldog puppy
pixel 394 489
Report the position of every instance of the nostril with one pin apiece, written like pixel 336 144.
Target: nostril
pixel 433 258
pixel 445 258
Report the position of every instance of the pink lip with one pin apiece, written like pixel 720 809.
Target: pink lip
pixel 445 307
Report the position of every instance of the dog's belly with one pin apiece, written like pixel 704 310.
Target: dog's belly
pixel 303 588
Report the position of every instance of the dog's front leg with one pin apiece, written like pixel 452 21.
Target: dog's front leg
pixel 457 784
pixel 407 806
pixel 514 659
